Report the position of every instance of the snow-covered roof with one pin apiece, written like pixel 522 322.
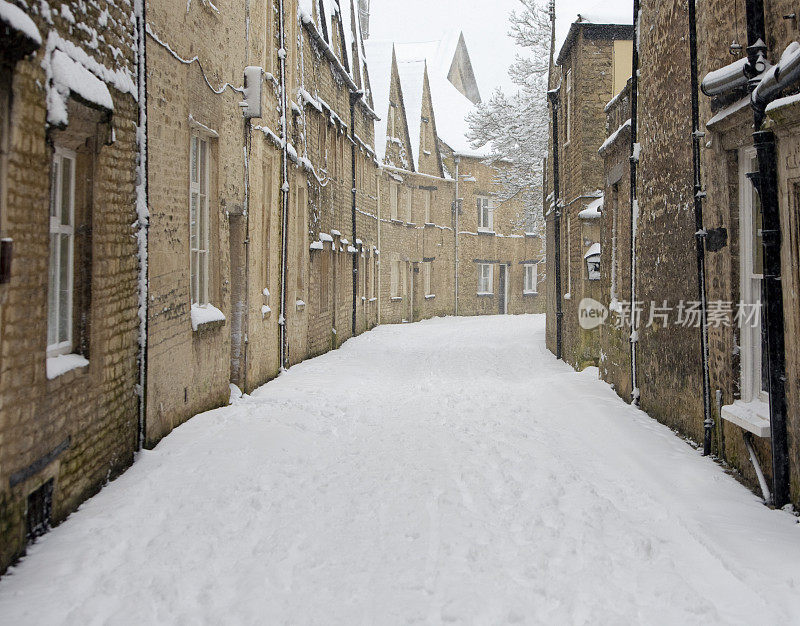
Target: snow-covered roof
pixel 611 23
pixel 593 210
pixel 379 62
pixel 15 18
pixel 68 76
pixel 594 250
pixel 450 106
pixel 412 81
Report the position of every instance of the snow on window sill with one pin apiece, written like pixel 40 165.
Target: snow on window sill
pixel 265 311
pixel 429 224
pixel 485 293
pixel 373 299
pixel 206 316
pixel 300 305
pixel 567 296
pixel 430 296
pixel 752 416
pixel 396 298
pixel 63 363
pixel 528 292
pixel 486 231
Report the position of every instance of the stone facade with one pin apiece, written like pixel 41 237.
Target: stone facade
pixel 588 66
pixel 669 356
pixel 274 230
pixel 68 423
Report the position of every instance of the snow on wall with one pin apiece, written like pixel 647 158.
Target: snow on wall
pixel 67 76
pixel 19 21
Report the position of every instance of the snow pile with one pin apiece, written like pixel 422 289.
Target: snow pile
pixel 593 211
pixel 17 19
pixel 205 314
pixel 450 471
pixel 67 77
pixel 63 363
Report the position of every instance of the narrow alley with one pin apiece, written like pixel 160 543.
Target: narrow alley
pixel 450 470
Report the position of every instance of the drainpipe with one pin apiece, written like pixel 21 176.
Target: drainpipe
pixel 284 186
pixel 553 97
pixel 766 183
pixel 142 215
pixel 700 233
pixel 634 219
pixel 378 260
pixel 354 97
pixel 456 210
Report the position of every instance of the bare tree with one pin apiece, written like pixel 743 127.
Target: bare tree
pixel 514 126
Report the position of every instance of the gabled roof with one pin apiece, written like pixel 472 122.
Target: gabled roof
pixel 322 14
pixel 451 104
pixel 379 56
pixel 606 25
pixel 412 81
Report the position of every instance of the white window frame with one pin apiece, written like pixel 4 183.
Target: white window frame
pixel 750 282
pixel 428 194
pixel 409 201
pixel 199 217
pixel 485 279
pixel 427 270
pixel 531 278
pixel 60 296
pixel 568 107
pixel 485 206
pixel 569 257
pixel 396 277
pixel 393 201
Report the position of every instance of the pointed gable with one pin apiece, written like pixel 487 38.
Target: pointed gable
pixel 461 73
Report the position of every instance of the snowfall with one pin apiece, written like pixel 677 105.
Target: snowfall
pixel 449 471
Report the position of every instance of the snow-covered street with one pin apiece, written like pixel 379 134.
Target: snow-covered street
pixel 445 471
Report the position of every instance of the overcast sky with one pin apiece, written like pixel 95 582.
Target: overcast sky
pixel 485 25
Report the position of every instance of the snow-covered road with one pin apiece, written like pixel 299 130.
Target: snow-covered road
pixel 446 471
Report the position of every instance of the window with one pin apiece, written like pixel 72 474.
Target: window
pixel 615 254
pixel 531 278
pixel 397 279
pixel 324 278
pixel 424 131
pixel 393 200
pixel 427 200
pixel 568 107
pixel 267 219
pixel 409 195
pixel 301 237
pixel 569 258
pixel 485 214
pixel 372 283
pixel 427 270
pixel 485 278
pixel 365 279
pixel 199 220
pixel 392 111
pixel 755 368
pixel 62 241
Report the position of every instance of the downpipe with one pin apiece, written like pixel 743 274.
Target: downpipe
pixel 354 97
pixel 553 97
pixel 700 233
pixel 284 186
pixel 766 184
pixel 456 211
pixel 634 203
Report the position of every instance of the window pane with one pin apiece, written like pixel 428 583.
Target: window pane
pixel 202 281
pixel 193 164
pixel 193 271
pixel 202 223
pixel 64 293
pixel 52 292
pixel 53 189
pixel 193 222
pixel 758 224
pixel 203 166
pixel 66 190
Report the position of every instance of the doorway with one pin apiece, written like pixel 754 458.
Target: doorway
pixel 503 290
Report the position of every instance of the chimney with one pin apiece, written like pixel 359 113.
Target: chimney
pixel 363 17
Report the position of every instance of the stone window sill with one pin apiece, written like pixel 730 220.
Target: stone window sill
pixel 752 416
pixel 397 298
pixel 206 317
pixel 485 294
pixel 483 231
pixel 430 296
pixel 530 293
pixel 63 363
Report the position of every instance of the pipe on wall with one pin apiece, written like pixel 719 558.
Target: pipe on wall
pixel 284 185
pixel 553 96
pixel 700 233
pixel 634 199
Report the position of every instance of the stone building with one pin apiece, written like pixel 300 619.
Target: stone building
pixel 268 191
pixel 69 331
pixel 668 362
pixel 592 65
